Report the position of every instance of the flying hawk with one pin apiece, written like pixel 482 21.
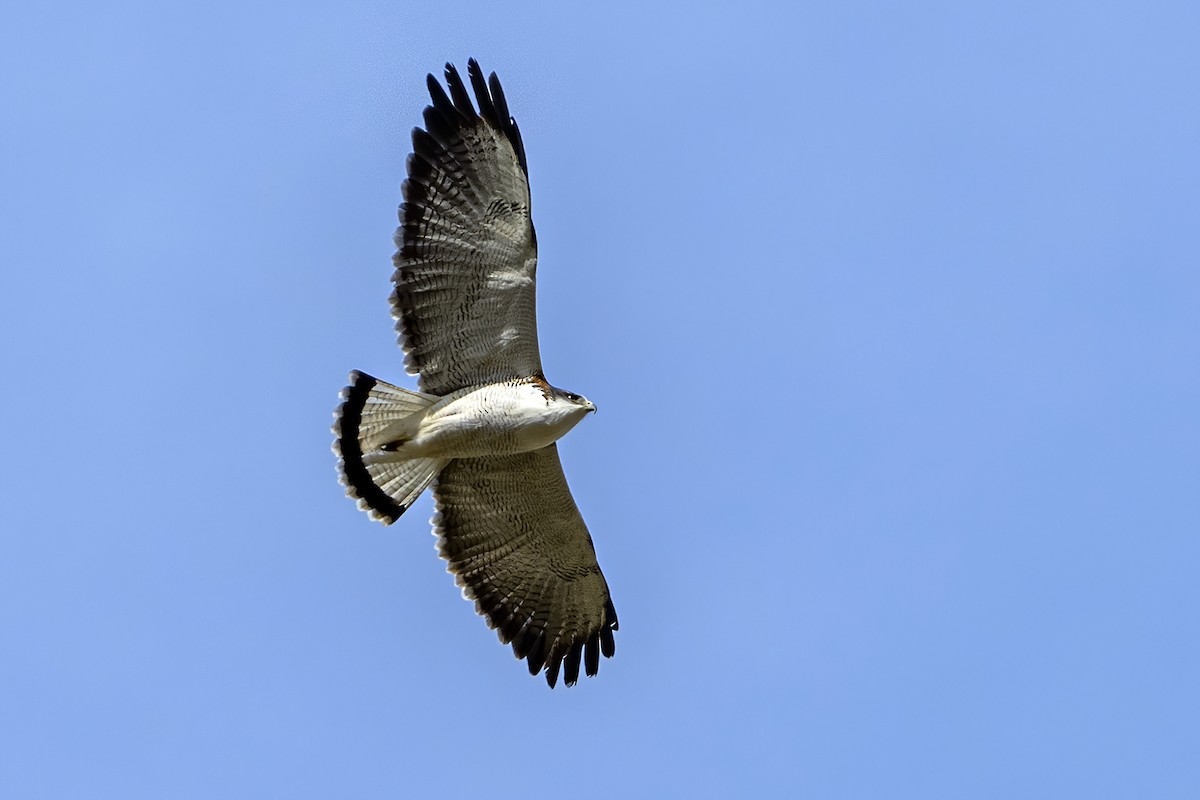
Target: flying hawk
pixel 483 428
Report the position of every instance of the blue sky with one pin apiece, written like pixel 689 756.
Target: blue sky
pixel 892 313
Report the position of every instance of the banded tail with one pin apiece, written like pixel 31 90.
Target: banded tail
pixel 370 413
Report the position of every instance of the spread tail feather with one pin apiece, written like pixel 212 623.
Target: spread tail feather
pixel 371 411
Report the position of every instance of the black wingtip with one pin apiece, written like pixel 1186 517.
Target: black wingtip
pixel 458 93
pixel 552 674
pixel 536 655
pixel 582 652
pixel 514 134
pixel 456 108
pixel 498 99
pixel 441 101
pixel 571 664
pixel 483 97
pixel 607 644
pixel 512 629
pixel 591 655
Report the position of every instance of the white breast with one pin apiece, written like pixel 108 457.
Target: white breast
pixel 493 420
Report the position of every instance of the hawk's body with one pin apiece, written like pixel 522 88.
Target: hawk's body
pixel 482 430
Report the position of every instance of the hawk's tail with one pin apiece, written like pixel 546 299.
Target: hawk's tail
pixel 384 483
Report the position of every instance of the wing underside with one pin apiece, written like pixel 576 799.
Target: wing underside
pixel 516 543
pixel 467 258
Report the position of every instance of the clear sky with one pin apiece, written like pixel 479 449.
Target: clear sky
pixel 891 311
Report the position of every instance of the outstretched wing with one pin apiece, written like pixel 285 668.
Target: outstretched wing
pixel 519 548
pixel 464 297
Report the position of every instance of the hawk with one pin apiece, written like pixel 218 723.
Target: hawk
pixel 482 429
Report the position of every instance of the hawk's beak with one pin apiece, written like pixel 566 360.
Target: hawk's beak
pixel 590 406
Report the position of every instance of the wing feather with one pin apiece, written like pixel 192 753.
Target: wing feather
pixel 518 546
pixel 467 252
pixel 487 109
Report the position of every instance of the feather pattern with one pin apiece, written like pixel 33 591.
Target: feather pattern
pixel 516 543
pixel 467 257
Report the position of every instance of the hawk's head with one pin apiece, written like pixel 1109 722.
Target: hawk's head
pixel 576 399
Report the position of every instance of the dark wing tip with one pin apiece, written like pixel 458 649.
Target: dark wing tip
pixel 589 650
pixel 498 99
pixel 536 655
pixel 591 655
pixel 456 109
pixel 607 644
pixel 483 97
pixel 441 101
pixel 505 120
pixel 552 674
pixel 514 136
pixel 458 93
pixel 568 657
pixel 571 662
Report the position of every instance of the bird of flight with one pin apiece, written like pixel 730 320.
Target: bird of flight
pixel 483 428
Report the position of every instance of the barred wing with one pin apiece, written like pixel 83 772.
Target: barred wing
pixel 519 548
pixel 464 297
